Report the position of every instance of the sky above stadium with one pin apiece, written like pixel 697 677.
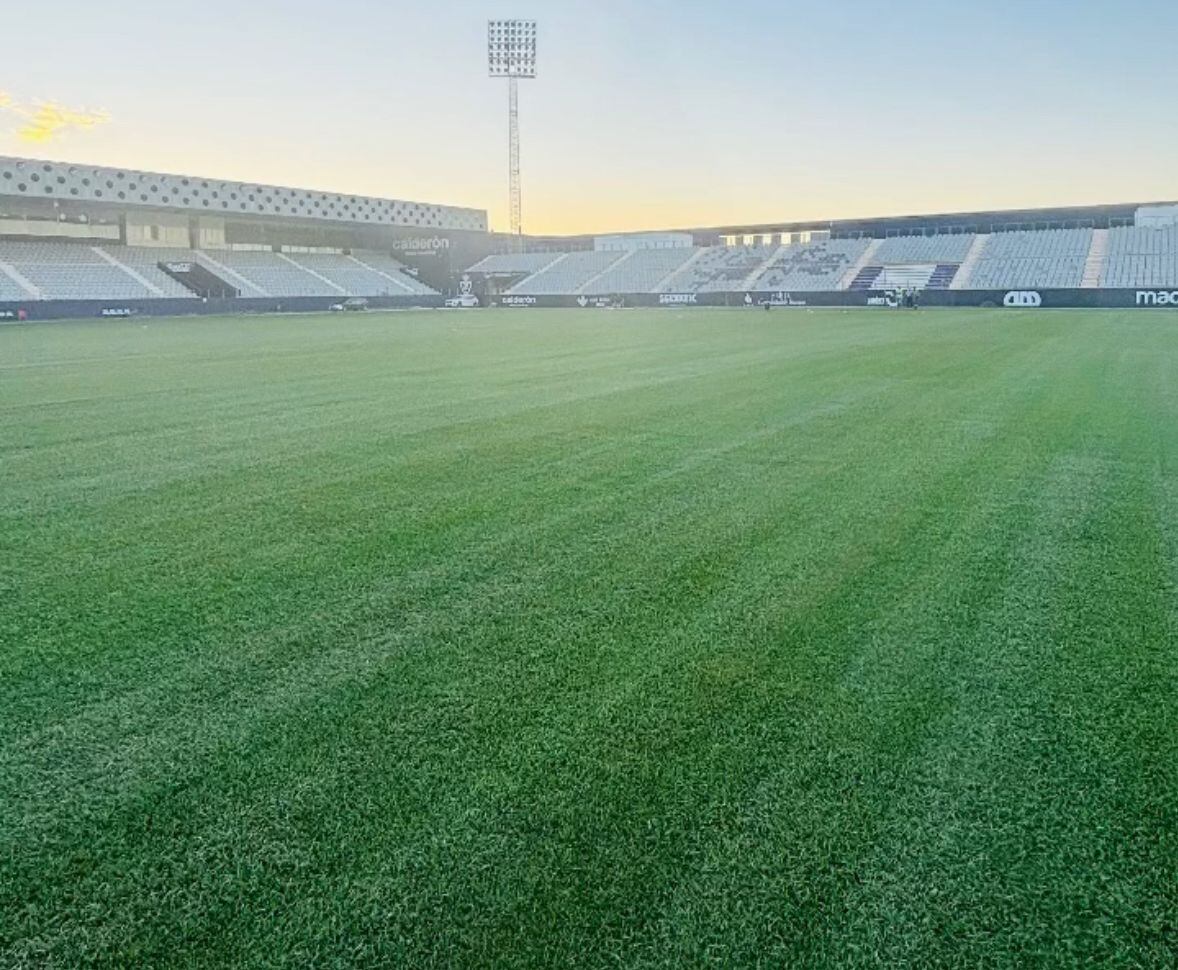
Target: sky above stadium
pixel 651 114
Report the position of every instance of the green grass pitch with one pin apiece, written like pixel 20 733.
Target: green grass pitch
pixel 585 639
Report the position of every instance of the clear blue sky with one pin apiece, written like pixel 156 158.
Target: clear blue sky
pixel 646 114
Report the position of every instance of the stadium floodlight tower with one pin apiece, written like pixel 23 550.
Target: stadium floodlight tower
pixel 511 53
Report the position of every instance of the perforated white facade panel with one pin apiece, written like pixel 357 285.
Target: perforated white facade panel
pixel 29 178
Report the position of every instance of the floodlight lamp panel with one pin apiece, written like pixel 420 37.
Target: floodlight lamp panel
pixel 511 48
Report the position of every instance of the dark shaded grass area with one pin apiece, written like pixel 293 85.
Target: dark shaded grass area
pixel 535 639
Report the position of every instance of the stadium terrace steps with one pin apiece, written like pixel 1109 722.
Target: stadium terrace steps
pixel 248 287
pixel 138 277
pixel 145 261
pixel 943 276
pixel 905 277
pixel 1049 258
pixel 1094 264
pixel 566 276
pixel 339 272
pixel 720 269
pixel 764 267
pixel 1123 257
pixel 914 250
pixel 866 278
pixel 961 281
pixel 338 290
pixel 279 276
pixel 14 286
pixel 672 283
pixel 514 264
pixel 813 266
pixel 44 271
pixel 913 262
pixel 623 257
pixel 867 258
pixel 70 271
pixel 401 285
pixel 921 276
pixel 642 271
pixel 712 269
pixel 1142 256
pixel 546 268
pixel 662 285
pixel 392 270
pixel 1039 259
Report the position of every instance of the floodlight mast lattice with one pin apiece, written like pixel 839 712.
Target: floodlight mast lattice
pixel 511 53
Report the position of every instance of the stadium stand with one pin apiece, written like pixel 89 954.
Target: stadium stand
pixel 512 264
pixel 274 275
pixel 915 262
pixel 348 274
pixel 718 269
pixel 69 271
pixel 1049 258
pixel 1123 258
pixel 965 270
pixel 10 289
pixel 642 271
pixel 71 233
pixel 566 275
pixel 1044 258
pixel 246 287
pixel 1142 256
pixel 1095 262
pixel 810 266
pixel 901 250
pixel 75 271
pixel 145 262
pixel 393 271
pixel 904 277
pixel 316 274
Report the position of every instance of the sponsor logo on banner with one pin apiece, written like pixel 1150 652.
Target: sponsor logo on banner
pixel 784 299
pixel 421 246
pixel 7 314
pixel 1157 298
pixel 595 302
pixel 671 299
pixel 179 267
pixel 120 311
pixel 1023 298
pixel 519 301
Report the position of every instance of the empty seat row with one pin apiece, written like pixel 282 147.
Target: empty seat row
pixel 642 271
pixel 386 266
pixel 811 266
pixel 1047 259
pixel 512 264
pixel 76 271
pixel 565 276
pixel 720 269
pixel 924 249
pixel 1142 256
pixel 352 276
pixel 146 261
pixel 70 271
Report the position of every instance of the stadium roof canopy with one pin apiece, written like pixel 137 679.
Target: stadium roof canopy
pixel 29 178
pixel 991 220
